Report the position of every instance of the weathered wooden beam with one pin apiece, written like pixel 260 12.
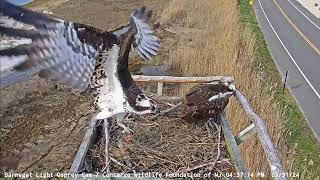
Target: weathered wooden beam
pixel 173 79
pixel 160 88
pixel 245 134
pixel 83 149
pixel 232 147
pixel 270 151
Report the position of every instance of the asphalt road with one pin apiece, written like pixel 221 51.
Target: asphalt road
pixel 293 37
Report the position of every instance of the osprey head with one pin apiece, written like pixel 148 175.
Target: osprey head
pixel 145 105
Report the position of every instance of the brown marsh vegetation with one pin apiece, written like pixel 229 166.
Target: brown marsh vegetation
pixel 210 40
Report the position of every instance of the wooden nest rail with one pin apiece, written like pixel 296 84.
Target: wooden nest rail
pixel 257 125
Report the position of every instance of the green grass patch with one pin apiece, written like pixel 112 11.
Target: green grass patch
pixel 298 135
pixel 35 3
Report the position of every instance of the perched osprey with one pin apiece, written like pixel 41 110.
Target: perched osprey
pixel 80 56
pixel 205 101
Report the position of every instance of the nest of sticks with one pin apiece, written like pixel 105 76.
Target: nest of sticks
pixel 159 144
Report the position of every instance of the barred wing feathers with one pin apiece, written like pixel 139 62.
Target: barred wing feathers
pixel 60 50
pixel 145 42
pixel 67 51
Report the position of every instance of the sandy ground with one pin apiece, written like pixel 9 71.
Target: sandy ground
pixel 42 124
pixel 312 5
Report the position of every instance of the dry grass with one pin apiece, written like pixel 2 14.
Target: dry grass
pixel 210 40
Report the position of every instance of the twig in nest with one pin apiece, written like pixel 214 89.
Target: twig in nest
pixel 119 163
pixel 219 140
pixel 153 156
pixel 87 166
pixel 208 129
pixel 201 166
pixel 218 154
pixel 126 157
pixel 167 111
pixel 157 98
pixel 146 124
pixel 166 103
pixel 106 133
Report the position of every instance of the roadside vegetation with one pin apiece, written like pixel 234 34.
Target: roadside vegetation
pixel 211 40
pixel 303 148
pixel 223 38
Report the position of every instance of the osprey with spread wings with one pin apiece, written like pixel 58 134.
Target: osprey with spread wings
pixel 80 56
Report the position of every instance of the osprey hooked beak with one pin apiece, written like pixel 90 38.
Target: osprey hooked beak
pixel 146 105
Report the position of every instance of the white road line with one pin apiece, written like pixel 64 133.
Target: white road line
pixel 304 76
pixel 304 14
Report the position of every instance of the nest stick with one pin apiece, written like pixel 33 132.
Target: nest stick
pixel 126 157
pixel 218 154
pixel 159 100
pixel 119 163
pixel 201 166
pixel 167 110
pixel 219 141
pixel 171 109
pixel 106 133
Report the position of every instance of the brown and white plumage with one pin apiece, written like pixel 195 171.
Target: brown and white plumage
pixel 79 56
pixel 66 51
pixel 205 101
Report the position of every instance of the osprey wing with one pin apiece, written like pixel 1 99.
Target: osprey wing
pixel 146 43
pixel 60 50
